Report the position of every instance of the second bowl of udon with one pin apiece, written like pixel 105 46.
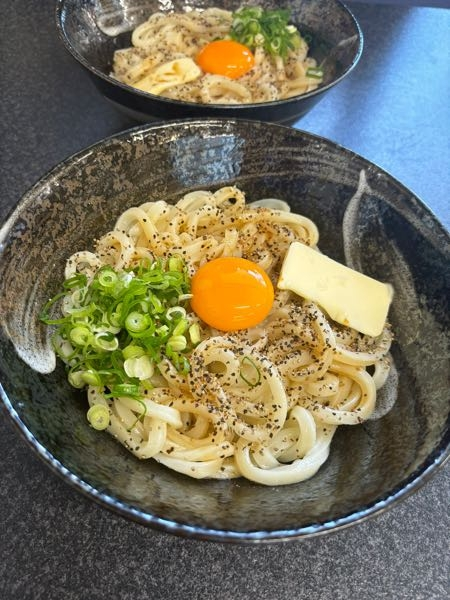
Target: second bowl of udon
pixel 269 61
pixel 174 345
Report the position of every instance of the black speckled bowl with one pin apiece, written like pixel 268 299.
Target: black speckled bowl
pixel 388 233
pixel 93 29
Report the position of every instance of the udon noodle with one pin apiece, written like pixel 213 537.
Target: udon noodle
pixel 212 422
pixel 162 60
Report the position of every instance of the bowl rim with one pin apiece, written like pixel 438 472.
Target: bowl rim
pixel 60 5
pixel 423 473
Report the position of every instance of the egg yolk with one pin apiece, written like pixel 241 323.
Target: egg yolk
pixel 231 293
pixel 226 57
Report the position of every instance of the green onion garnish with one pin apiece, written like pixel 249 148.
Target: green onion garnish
pixel 256 375
pixel 314 72
pixel 91 377
pixel 181 327
pixel 177 343
pixel 106 341
pixel 254 26
pixel 194 333
pixel 81 336
pixel 115 328
pixel 176 263
pixel 107 277
pixel 137 322
pixel 141 416
pixel 129 390
pixel 98 416
pixel 139 367
pixel 133 351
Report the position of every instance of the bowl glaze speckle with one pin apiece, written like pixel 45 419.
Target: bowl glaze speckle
pixel 92 30
pixel 386 231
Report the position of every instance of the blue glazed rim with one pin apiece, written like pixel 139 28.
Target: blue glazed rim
pixel 435 460
pixel 183 103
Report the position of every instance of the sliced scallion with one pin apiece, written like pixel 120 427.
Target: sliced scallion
pixel 106 341
pixel 116 326
pixel 176 264
pixel 254 26
pixel 256 373
pixel 81 336
pixel 133 351
pixel 137 322
pixel 177 343
pixel 180 327
pixel 91 377
pixel 314 72
pixel 98 416
pixel 124 389
pixel 139 367
pixel 141 416
pixel 76 379
pixel 107 277
pixel 175 312
pixel 194 333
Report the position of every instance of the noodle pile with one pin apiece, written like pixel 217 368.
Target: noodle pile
pixel 261 403
pixel 160 61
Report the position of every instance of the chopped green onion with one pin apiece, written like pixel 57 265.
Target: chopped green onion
pixel 124 389
pixel 63 348
pixel 137 322
pixel 106 341
pixel 107 277
pixel 275 45
pixel 162 331
pixel 194 333
pixel 180 327
pixel 126 278
pixel 76 297
pixel 141 416
pixel 174 311
pixel 253 27
pixel 140 367
pixel 156 304
pixel 81 336
pixel 176 264
pixel 177 343
pixel 184 365
pixel 115 314
pixel 257 377
pixel 76 379
pixel 114 328
pixel 314 72
pixel 133 351
pixel 98 416
pixel 77 280
pixel 180 361
pixel 184 297
pixel 91 377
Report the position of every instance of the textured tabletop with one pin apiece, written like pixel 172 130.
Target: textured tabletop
pixel 55 544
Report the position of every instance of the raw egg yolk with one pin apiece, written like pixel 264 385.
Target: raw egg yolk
pixel 231 293
pixel 225 57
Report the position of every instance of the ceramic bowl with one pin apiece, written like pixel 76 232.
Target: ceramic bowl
pixel 392 237
pixel 92 30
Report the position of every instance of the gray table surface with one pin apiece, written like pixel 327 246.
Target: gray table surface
pixel 54 543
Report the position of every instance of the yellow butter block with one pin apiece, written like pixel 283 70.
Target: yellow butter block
pixel 347 296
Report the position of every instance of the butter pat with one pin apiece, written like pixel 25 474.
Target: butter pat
pixel 348 297
pixel 169 74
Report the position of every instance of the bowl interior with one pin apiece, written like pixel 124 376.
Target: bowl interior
pixel 94 29
pixel 391 236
